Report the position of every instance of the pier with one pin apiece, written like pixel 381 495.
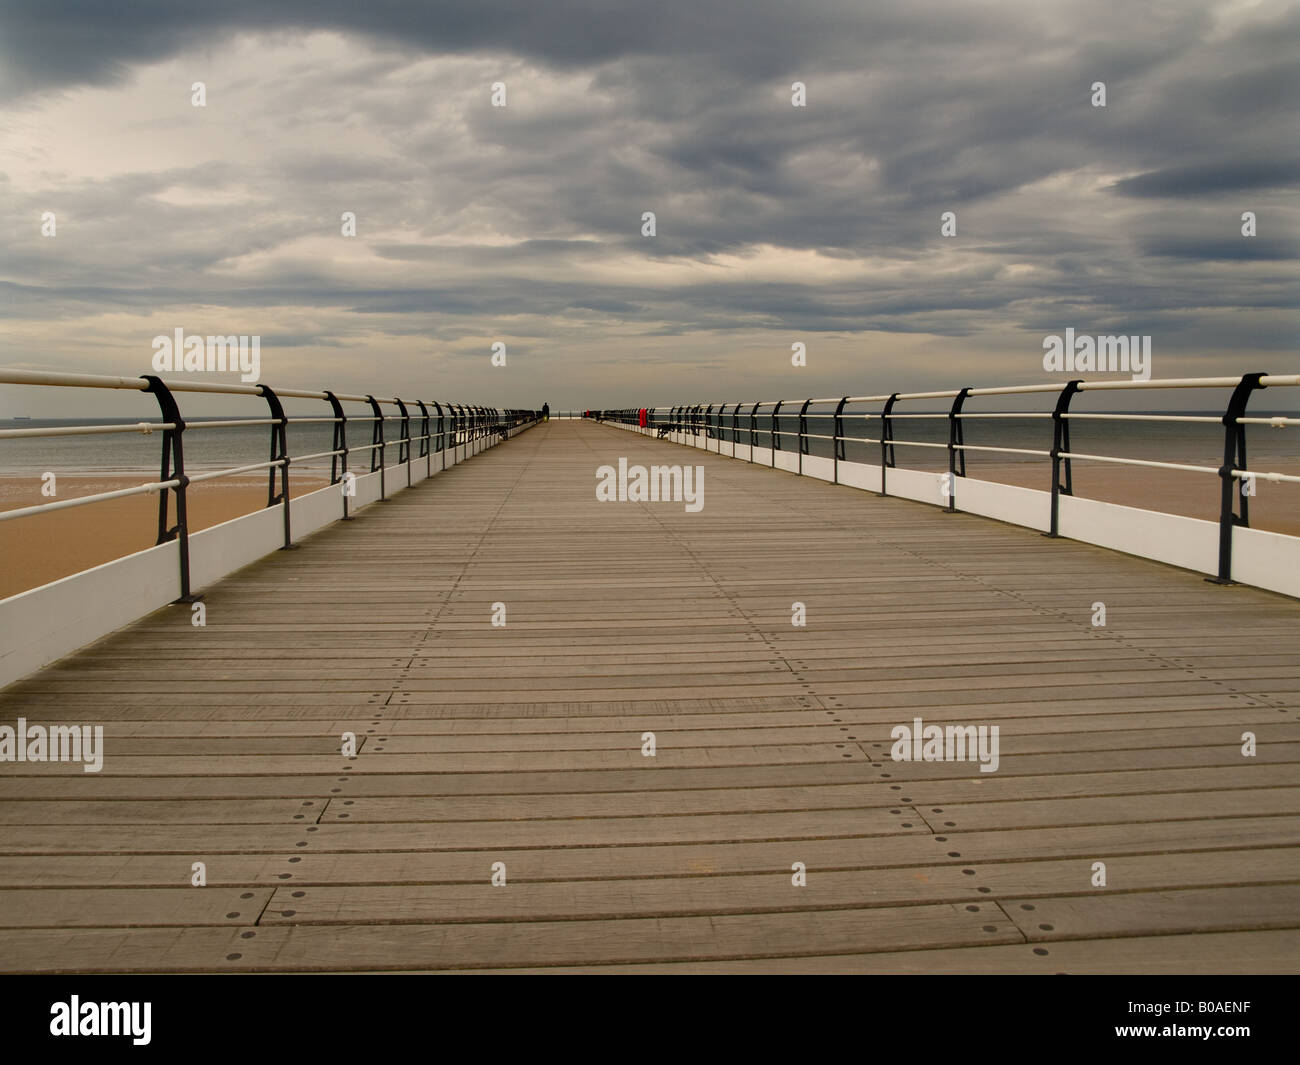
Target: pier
pixel 500 643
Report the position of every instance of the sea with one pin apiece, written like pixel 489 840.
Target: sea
pixel 205 450
pixel 1195 443
pixel 1192 443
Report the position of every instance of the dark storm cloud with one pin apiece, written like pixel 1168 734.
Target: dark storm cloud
pixel 1121 218
pixel 48 43
pixel 1269 171
pixel 1229 249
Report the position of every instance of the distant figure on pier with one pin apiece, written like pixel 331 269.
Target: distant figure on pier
pixel 546 412
pixel 641 417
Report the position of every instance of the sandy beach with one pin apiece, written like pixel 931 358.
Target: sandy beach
pixel 44 547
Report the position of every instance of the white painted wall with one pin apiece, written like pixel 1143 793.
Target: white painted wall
pixel 234 544
pixel 821 468
pixel 1265 559
pixel 46 623
pixel 860 475
pixel 1005 502
pixel 316 509
pixel 920 485
pixel 1188 542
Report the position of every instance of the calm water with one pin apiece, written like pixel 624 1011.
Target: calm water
pixel 1195 443
pixel 210 449
pixel 213 449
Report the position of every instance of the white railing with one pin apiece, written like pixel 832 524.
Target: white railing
pixel 39 625
pixel 1228 549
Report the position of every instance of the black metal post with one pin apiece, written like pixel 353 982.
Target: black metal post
pixel 776 430
pixel 1234 458
pixel 838 441
pixel 426 448
pixel 803 433
pixel 339 462
pixel 1061 443
pixel 956 454
pixel 279 456
pixel 404 441
pixel 377 439
pixel 442 439
pixel 886 441
pixel 173 468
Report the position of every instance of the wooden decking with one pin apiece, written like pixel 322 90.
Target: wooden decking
pixel 522 744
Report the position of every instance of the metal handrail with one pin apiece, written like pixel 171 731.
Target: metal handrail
pixel 474 423
pixel 1233 508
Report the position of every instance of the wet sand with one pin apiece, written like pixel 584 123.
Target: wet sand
pixel 44 547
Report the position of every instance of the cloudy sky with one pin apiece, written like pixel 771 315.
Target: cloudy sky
pixel 523 224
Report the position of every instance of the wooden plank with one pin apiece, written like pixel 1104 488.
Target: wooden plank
pixel 1035 813
pixel 410 946
pixel 695 860
pixel 144 812
pixel 772 891
pixel 467 946
pixel 1087 731
pixel 704 800
pixel 1210 953
pixel 573 832
pixel 1161 912
pixel 118 950
pixel 187 907
pixel 499 762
